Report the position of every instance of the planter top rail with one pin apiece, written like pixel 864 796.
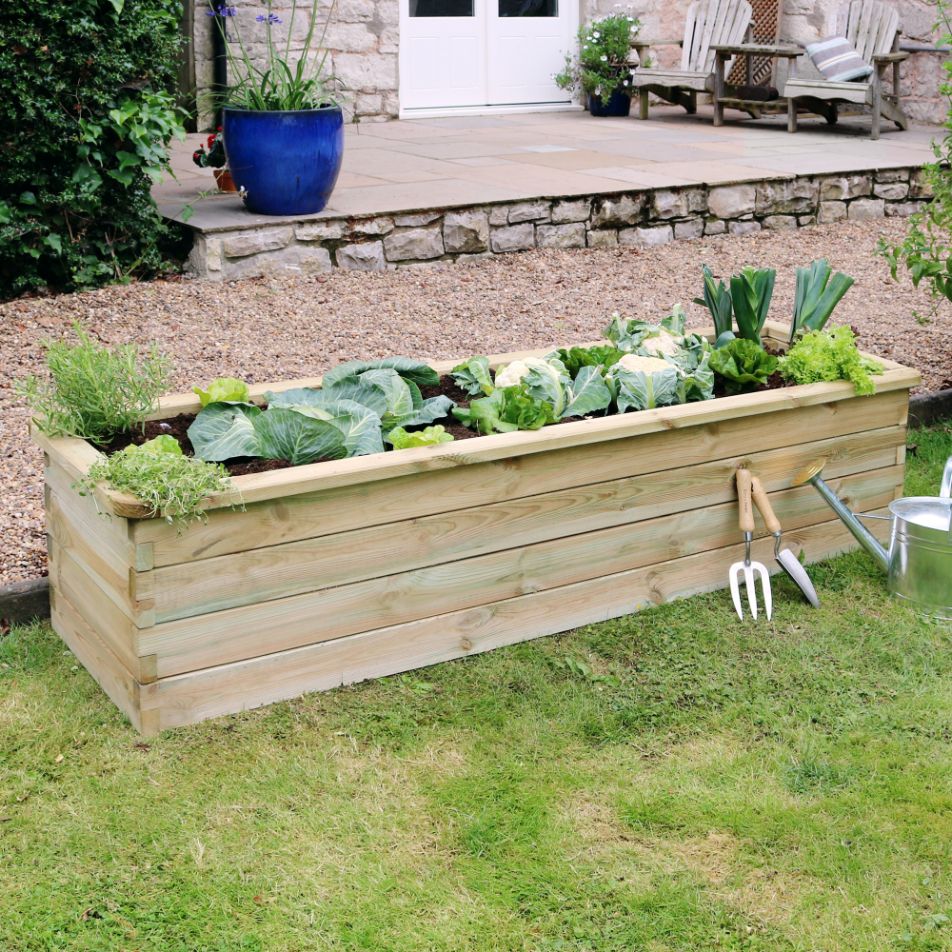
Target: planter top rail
pixel 76 456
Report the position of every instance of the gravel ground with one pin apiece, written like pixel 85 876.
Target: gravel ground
pixel 269 329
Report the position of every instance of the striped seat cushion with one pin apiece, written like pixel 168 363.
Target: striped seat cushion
pixel 837 60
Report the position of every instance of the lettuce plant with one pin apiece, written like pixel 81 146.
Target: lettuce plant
pixel 827 356
pixel 575 358
pixel 401 439
pixel 223 390
pixel 506 409
pixel 742 365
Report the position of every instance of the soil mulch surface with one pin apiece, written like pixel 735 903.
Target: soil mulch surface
pixel 276 328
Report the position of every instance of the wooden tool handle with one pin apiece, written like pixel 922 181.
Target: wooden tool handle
pixel 762 501
pixel 744 501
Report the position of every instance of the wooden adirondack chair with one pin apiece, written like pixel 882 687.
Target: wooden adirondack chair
pixel 873 29
pixel 708 23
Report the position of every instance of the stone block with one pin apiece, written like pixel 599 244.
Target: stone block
pixel 843 187
pixel 528 211
pixel 243 243
pixel 499 215
pixel 780 223
pixel 743 227
pixel 319 230
pixel 616 211
pixel 297 259
pixel 919 186
pixel 714 226
pixel 732 201
pixel 669 203
pixel 606 238
pixel 864 209
pixel 803 220
pixel 350 37
pixel 692 228
pixel 903 209
pixel 891 191
pixel 787 197
pixel 570 235
pixel 831 211
pixel 367 256
pixel 370 227
pixel 646 237
pixel 417 219
pixel 513 238
pixel 465 232
pixel 563 212
pixel 360 72
pixel 892 175
pixel 414 244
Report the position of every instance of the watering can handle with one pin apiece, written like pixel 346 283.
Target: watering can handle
pixel 762 502
pixel 945 491
pixel 744 501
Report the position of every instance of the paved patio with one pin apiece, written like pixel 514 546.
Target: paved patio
pixel 435 163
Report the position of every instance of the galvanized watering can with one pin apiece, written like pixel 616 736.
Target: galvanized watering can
pixel 918 562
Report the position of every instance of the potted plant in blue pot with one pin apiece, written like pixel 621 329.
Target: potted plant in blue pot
pixel 282 125
pixel 600 69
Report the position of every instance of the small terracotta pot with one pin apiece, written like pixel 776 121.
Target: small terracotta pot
pixel 224 181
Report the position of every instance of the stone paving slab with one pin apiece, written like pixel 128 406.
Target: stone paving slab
pixel 417 164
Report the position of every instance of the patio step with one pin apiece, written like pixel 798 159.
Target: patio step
pixel 228 242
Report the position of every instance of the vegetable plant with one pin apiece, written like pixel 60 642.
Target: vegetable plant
pixel 156 473
pixel 643 383
pixel 473 376
pixel 742 364
pixel 818 292
pixel 506 409
pixel 401 439
pixel 94 392
pixel 751 293
pixel 717 299
pixel 223 390
pixel 575 358
pixel 827 356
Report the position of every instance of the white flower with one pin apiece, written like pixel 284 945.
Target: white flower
pixel 596 34
pixel 604 59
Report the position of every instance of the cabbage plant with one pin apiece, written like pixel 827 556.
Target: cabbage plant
pixel 643 383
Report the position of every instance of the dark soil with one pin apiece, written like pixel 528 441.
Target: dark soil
pixel 243 466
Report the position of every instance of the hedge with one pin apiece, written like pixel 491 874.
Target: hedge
pixel 85 119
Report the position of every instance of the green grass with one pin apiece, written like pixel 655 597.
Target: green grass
pixel 674 780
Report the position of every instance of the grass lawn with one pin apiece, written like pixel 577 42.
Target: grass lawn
pixel 673 780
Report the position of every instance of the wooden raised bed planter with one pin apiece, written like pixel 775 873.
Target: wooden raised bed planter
pixel 342 571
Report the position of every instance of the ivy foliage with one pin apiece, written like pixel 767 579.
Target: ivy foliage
pixel 86 117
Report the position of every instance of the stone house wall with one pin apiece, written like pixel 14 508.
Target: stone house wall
pixel 363 40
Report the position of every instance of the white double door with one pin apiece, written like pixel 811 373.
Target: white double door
pixel 483 52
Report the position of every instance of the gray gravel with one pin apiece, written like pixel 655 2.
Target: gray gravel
pixel 269 329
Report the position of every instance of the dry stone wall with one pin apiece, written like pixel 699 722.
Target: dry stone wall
pixel 641 218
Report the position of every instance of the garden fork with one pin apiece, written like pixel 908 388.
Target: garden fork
pixel 747 570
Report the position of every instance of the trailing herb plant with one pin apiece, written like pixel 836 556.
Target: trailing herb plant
pixel 828 356
pixel 94 392
pixel 168 483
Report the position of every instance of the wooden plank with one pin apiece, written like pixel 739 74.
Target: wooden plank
pixel 260 574
pixel 188 698
pixel 345 508
pixel 266 627
pixel 112 626
pixel 72 455
pixel 111 675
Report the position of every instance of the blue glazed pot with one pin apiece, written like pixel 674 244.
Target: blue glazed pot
pixel 618 104
pixel 286 162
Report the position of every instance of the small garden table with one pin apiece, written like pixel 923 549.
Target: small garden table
pixel 722 53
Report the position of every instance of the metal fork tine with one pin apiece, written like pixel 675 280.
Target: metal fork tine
pixel 751 587
pixel 765 584
pixel 735 592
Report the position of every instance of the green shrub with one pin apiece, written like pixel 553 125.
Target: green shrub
pixel 86 116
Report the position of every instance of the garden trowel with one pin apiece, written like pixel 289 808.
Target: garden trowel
pixel 785 558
